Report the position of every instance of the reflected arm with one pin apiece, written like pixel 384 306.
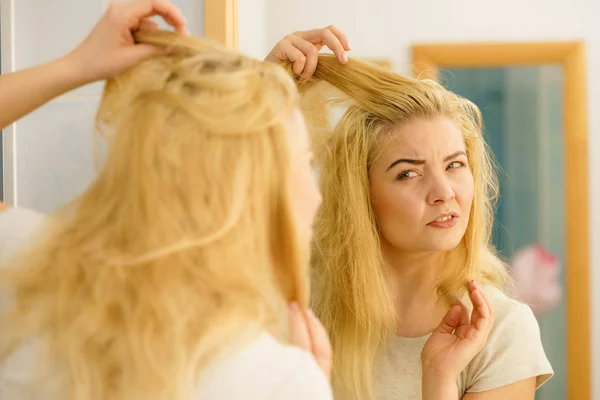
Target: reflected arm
pixel 23 91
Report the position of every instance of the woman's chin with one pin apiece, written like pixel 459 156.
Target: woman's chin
pixel 444 241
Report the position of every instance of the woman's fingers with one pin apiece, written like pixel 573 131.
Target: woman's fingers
pixel 334 43
pixel 487 301
pixel 321 346
pixel 291 52
pixel 328 38
pixel 138 9
pixel 148 25
pixel 308 333
pixel 341 36
pixel 310 60
pixel 464 314
pixel 482 313
pixel 482 319
pixel 302 49
pixel 451 320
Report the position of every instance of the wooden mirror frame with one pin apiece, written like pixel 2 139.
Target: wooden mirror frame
pixel 428 59
pixel 221 21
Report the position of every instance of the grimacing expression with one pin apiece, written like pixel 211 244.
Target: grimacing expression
pixel 422 187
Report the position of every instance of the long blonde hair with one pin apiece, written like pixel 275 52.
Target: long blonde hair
pixel 185 239
pixel 351 293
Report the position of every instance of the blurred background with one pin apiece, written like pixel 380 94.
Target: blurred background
pixel 47 158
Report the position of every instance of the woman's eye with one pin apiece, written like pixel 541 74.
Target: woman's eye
pixel 455 164
pixel 407 175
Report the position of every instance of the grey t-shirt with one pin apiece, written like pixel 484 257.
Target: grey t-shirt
pixel 513 352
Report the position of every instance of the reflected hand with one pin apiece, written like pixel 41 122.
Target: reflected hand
pixel 308 333
pixel 302 49
pixel 110 48
pixel 458 338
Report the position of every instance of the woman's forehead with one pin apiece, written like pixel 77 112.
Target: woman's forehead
pixel 422 137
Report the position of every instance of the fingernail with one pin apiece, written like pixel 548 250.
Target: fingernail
pixel 344 57
pixel 348 47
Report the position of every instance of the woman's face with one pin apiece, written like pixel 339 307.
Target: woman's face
pixel 422 187
pixel 305 186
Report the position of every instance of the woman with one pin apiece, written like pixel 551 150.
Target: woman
pixel 167 264
pixel 170 277
pixel 407 185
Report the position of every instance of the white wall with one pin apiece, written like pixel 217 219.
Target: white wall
pixel 387 28
pixel 253 27
pixel 49 154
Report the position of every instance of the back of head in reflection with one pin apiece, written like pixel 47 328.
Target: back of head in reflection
pixel 190 234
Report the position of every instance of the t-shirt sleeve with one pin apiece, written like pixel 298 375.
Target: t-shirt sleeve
pixel 305 380
pixel 514 352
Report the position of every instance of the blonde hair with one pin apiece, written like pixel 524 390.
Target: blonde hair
pixel 185 239
pixel 351 293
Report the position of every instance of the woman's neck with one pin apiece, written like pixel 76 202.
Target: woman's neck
pixel 412 277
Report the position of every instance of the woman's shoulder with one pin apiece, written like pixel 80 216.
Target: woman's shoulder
pixel 264 368
pixel 260 369
pixel 504 305
pixel 511 318
pixel 514 350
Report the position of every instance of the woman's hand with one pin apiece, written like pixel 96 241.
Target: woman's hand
pixel 110 48
pixel 107 50
pixel 302 49
pixel 457 339
pixel 308 333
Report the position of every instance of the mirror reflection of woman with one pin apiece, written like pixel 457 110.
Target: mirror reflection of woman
pixel 182 271
pixel 408 188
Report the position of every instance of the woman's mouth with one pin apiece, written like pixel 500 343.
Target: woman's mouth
pixel 444 221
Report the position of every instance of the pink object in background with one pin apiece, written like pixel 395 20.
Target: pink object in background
pixel 536 272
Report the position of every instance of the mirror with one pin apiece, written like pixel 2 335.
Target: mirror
pixel 534 123
pixel 522 115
